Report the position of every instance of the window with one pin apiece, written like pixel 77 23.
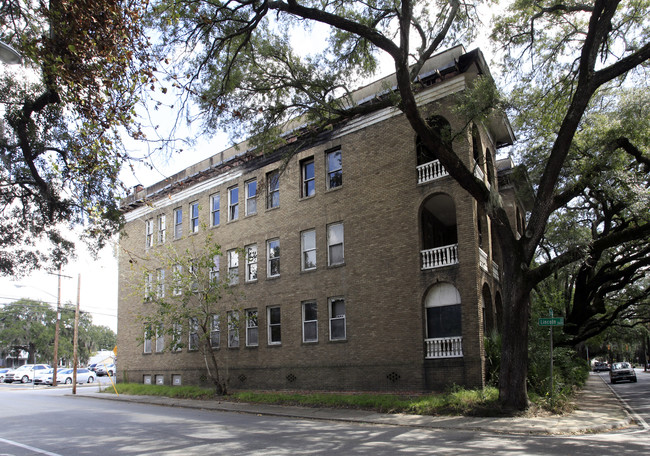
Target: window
pixel 251 263
pixel 177 278
pixel 214 270
pixel 178 223
pixel 160 340
pixel 215 333
pixel 215 213
pixel 251 328
pixel 273 255
pixel 194 279
pixel 148 286
pixel 308 248
pixel 337 318
pixel 335 244
pixel 194 217
pixel 147 339
pixel 233 203
pixel 251 197
pixel 334 169
pixel 193 334
pixel 233 329
pixel 162 228
pixel 275 333
pixel 148 229
pixel 443 311
pixel 177 332
pixel 233 267
pixel 273 189
pixel 160 283
pixel 308 182
pixel 309 322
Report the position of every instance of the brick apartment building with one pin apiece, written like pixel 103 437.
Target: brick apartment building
pixel 387 278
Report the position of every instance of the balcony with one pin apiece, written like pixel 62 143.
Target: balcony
pixel 439 257
pixel 431 171
pixel 444 347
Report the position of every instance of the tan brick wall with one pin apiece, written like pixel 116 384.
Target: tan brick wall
pixel 379 204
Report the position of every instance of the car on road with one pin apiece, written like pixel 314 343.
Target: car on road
pixel 622 371
pixel 66 376
pixel 3 372
pixel 24 373
pixel 105 369
pixel 601 367
pixel 41 377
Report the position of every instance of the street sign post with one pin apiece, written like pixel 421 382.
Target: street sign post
pixel 551 321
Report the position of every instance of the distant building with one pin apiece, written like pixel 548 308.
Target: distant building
pixel 374 270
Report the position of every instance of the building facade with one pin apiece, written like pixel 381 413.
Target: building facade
pixel 365 266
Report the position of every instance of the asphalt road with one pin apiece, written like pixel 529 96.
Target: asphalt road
pixel 50 421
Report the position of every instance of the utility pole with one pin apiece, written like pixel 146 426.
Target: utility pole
pixel 76 339
pixel 56 327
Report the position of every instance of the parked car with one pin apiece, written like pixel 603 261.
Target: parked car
pixel 92 367
pixel 41 377
pixel 622 371
pixel 105 369
pixel 3 371
pixel 601 367
pixel 24 373
pixel 83 376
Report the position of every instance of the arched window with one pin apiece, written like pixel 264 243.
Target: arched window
pixel 443 311
pixel 440 125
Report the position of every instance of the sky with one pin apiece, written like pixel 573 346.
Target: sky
pixel 99 277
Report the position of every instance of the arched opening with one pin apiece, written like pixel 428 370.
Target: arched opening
pixel 439 232
pixel 488 310
pixel 429 167
pixel 443 322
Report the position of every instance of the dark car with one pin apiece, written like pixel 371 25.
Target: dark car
pixel 622 371
pixel 601 367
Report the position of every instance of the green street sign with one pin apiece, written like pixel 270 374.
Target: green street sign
pixel 551 321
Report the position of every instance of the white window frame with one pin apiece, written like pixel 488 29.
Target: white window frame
pixel 309 323
pixel 160 283
pixel 215 331
pixel 271 325
pixel 162 228
pixel 233 267
pixel 177 335
pixel 331 243
pixel 233 329
pixel 251 197
pixel 160 339
pixel 233 203
pixel 270 260
pixel 148 285
pixel 148 230
pixel 252 328
pixel 178 223
pixel 147 339
pixel 215 209
pixel 251 263
pixel 214 270
pixel 177 278
pixel 305 250
pixel 194 217
pixel 305 180
pixel 273 189
pixel 332 171
pixel 193 334
pixel 335 318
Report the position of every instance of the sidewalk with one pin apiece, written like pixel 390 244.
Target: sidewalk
pixel 598 410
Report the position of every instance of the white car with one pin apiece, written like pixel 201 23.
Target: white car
pixel 41 377
pixel 65 376
pixel 24 373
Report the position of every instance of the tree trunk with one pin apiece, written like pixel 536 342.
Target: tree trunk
pixel 513 394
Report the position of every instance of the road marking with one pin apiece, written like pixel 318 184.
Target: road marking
pixel 27 447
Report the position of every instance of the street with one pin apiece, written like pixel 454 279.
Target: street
pixel 50 421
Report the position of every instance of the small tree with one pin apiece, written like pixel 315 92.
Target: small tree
pixel 191 295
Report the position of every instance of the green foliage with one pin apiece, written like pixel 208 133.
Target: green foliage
pixel 179 392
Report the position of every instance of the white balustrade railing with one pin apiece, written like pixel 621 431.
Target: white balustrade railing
pixel 478 172
pixel 444 347
pixel 431 171
pixel 483 259
pixel 439 257
pixel 495 271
